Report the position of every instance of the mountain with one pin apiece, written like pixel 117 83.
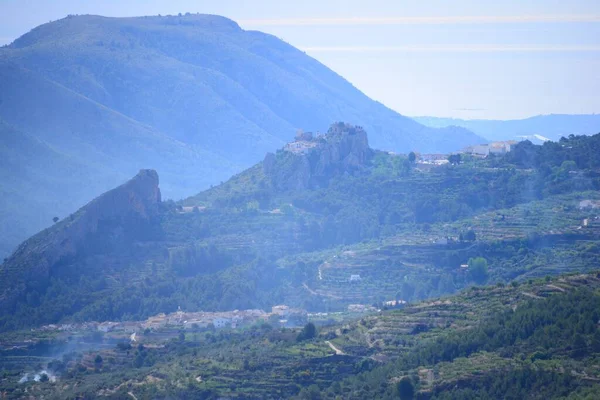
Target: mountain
pixel 28 190
pixel 295 228
pixel 537 129
pixel 193 96
pixel 113 220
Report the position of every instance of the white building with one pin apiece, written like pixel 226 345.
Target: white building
pixel 480 150
pixel 355 278
pixel 442 241
pixel 502 147
pixel 483 150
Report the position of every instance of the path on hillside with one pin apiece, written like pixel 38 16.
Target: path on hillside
pixel 337 351
pixel 314 293
pixel 533 296
pixel 556 287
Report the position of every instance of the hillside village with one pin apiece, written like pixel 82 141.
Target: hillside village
pixel 281 315
pixel 477 150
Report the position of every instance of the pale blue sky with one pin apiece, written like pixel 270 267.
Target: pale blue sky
pixel 462 58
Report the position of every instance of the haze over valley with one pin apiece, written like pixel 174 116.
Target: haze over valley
pixel 207 207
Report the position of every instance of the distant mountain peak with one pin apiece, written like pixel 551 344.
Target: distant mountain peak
pixel 193 95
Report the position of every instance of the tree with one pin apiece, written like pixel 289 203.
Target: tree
pixel 412 157
pixel 181 336
pixel 98 360
pixel 308 332
pixel 406 390
pixel 310 393
pixel 406 167
pixel 55 219
pixel 454 159
pixel 123 346
pixel 407 290
pixel 595 345
pixel 524 154
pixel 44 377
pixel 579 346
pixel 478 269
pixel 470 236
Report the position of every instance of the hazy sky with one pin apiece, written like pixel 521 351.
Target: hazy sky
pixel 460 58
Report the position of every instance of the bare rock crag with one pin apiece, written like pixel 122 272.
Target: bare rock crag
pixel 33 262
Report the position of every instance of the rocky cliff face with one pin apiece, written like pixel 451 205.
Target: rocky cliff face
pixel 109 215
pixel 304 164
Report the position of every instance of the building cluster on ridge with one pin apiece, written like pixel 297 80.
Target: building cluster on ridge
pixel 478 150
pixel 284 315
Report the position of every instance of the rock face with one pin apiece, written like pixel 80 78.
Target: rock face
pixel 311 162
pixel 345 147
pixel 105 219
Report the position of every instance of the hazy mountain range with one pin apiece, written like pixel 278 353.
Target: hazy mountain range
pixel 272 233
pixel 194 96
pixel 536 128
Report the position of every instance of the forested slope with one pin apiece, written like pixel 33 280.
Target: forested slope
pixel 294 228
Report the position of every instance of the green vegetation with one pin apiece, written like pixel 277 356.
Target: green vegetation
pixel 406 233
pixel 478 268
pixel 540 338
pixel 308 332
pixel 406 389
pixel 545 346
pixel 323 235
pixel 477 279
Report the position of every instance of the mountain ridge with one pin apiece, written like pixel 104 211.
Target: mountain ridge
pixel 551 126
pixel 134 202
pixel 180 94
pixel 295 227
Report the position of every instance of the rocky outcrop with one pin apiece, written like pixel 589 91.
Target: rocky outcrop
pixel 345 147
pixel 312 162
pixel 31 264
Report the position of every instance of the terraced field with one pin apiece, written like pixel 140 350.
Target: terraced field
pixel 261 362
pixel 552 232
pixel 393 332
